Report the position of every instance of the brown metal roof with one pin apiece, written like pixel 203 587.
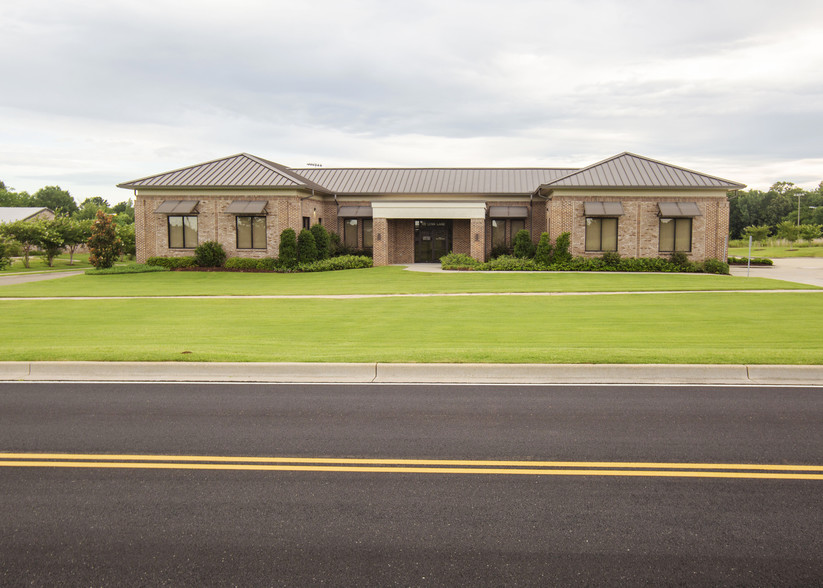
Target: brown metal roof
pixel 237 171
pixel 432 180
pixel 177 207
pixel 678 209
pixel 628 170
pixel 242 207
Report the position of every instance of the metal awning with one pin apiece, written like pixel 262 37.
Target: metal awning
pixel 508 211
pixel 246 207
pixel 177 207
pixel 678 209
pixel 425 209
pixel 603 208
pixel 354 211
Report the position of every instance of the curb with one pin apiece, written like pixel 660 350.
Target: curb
pixel 410 373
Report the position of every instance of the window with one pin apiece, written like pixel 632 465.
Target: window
pixel 251 232
pixel 675 234
pixel 368 233
pixel 498 232
pixel 518 224
pixel 306 222
pixel 350 232
pixel 601 233
pixel 182 232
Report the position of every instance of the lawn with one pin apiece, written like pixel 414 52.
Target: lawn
pixel 778 251
pixel 379 280
pixel 731 327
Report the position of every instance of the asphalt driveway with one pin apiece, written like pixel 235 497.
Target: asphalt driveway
pixel 803 270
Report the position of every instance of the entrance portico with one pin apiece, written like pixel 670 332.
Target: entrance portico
pixel 416 231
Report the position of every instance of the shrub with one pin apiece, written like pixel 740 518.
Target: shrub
pixel 680 259
pixel 523 246
pixel 172 262
pixel 241 263
pixel 754 261
pixel 288 248
pixel 131 268
pixel 507 263
pixel 306 247
pixel 543 253
pixel 104 244
pixel 611 260
pixel 458 261
pixel 715 266
pixel 342 262
pixel 5 255
pixel 500 250
pixel 322 241
pixel 561 249
pixel 210 254
pixel 334 244
pixel 268 264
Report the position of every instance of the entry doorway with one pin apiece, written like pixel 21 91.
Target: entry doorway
pixel 432 240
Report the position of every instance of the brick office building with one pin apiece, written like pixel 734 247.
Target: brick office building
pixel 634 205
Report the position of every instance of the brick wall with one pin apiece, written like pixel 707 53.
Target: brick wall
pixel 639 226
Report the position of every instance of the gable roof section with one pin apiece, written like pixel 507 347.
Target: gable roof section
pixel 432 180
pixel 236 171
pixel 10 214
pixel 628 170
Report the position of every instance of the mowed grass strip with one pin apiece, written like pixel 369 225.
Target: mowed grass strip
pixel 379 280
pixel 758 328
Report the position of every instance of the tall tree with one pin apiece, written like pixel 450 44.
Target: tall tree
pixel 58 200
pixel 104 244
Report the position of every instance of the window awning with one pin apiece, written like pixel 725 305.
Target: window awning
pixel 508 211
pixel 246 207
pixel 354 211
pixel 177 207
pixel 603 208
pixel 421 210
pixel 678 209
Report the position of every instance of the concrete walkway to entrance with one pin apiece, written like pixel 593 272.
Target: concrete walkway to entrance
pixel 22 278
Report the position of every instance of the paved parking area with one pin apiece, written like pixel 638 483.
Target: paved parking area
pixel 803 270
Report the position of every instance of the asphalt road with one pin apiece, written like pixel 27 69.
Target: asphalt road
pixel 105 521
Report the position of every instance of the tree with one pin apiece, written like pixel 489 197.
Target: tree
pixel 125 232
pixel 788 230
pixel 757 233
pixel 74 232
pixel 5 255
pixel 306 247
pixel 124 212
pixel 89 207
pixel 288 248
pixel 103 243
pixel 543 255
pixel 59 201
pixel 523 246
pixel 51 240
pixel 322 240
pixel 27 233
pixel 810 232
pixel 561 248
pixel 8 197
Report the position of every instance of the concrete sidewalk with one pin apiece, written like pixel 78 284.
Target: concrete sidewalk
pixel 397 373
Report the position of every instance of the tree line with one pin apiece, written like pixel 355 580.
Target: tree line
pixel 71 228
pixel 784 210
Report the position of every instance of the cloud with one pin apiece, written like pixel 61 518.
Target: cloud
pixel 108 91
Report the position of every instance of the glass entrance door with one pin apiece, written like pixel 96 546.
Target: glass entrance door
pixel 432 240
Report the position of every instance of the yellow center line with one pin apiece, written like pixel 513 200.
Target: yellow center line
pixel 417 466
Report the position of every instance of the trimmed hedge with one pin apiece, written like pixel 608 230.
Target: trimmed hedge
pixel 745 261
pixel 458 261
pixel 342 262
pixel 610 262
pixel 132 268
pixel 172 262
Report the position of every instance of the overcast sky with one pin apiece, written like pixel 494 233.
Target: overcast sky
pixel 100 92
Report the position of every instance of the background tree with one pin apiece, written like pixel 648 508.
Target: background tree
pixel 59 201
pixel 5 254
pixel 103 243
pixel 26 233
pixel 124 212
pixel 788 230
pixel 810 232
pixel 757 233
pixel 125 233
pixel 89 207
pixel 74 232
pixel 8 197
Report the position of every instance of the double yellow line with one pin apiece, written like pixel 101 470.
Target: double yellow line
pixel 413 466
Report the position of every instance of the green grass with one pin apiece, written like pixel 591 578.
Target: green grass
pixel 798 250
pixel 380 280
pixel 733 327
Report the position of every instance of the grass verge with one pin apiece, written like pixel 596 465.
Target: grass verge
pixel 755 328
pixel 379 280
pixel 778 251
